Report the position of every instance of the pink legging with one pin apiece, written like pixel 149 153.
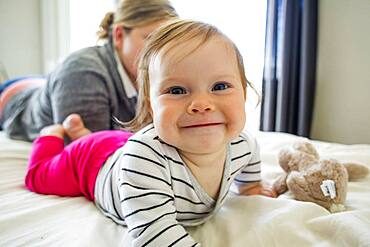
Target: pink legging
pixel 72 170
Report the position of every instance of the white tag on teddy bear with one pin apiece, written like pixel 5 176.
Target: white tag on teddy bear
pixel 328 188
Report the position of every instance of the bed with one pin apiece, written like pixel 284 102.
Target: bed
pixel 28 219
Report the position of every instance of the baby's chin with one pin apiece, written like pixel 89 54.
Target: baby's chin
pixel 203 141
pixel 201 148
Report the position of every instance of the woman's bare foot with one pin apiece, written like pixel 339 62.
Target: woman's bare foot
pixel 74 127
pixel 53 130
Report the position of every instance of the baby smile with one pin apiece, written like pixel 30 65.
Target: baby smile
pixel 203 125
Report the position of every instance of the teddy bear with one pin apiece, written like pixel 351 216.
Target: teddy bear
pixel 311 179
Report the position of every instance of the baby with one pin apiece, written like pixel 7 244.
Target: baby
pixel 187 150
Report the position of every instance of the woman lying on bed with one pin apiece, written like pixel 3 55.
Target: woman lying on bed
pixel 188 149
pixel 96 82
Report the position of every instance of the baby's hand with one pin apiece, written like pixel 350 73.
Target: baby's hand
pixel 258 189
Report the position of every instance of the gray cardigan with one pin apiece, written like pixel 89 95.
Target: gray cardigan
pixel 87 83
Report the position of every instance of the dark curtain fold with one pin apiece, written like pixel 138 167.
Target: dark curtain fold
pixel 290 66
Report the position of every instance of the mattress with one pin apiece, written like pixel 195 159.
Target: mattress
pixel 29 219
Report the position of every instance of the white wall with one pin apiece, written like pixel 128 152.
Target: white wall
pixel 20 42
pixel 342 104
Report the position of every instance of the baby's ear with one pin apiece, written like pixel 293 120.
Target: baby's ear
pixel 149 106
pixel 356 170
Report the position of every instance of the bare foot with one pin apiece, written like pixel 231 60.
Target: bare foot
pixel 74 127
pixel 53 130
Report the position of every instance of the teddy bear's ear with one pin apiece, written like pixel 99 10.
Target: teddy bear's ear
pixel 284 157
pixel 306 147
pixel 356 170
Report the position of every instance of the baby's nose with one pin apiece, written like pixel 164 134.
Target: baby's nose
pixel 201 104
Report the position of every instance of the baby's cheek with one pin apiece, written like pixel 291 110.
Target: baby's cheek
pixel 165 126
pixel 237 125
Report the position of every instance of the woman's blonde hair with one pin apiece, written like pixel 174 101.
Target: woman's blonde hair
pixel 135 13
pixel 163 40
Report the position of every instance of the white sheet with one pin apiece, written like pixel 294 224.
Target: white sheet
pixel 28 219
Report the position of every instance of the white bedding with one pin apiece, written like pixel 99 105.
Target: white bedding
pixel 28 219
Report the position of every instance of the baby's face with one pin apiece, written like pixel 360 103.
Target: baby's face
pixel 197 101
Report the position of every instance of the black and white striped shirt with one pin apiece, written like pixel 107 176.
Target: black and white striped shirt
pixel 146 186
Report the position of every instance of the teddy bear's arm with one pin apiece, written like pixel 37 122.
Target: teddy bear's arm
pixel 280 185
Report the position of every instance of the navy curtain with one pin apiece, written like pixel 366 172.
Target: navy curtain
pixel 290 66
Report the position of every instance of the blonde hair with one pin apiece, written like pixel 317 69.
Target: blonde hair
pixel 161 41
pixel 135 13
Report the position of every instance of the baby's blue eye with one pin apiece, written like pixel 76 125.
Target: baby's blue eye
pixel 220 86
pixel 177 90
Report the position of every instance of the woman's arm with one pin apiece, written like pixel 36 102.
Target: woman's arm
pixel 83 93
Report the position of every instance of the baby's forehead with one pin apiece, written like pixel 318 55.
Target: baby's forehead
pixel 174 52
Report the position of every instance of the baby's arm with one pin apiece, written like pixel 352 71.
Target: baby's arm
pixel 257 188
pixel 248 181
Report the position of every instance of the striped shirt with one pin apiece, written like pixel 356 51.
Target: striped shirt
pixel 147 187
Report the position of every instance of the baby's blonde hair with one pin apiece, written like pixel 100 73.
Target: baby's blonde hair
pixel 163 40
pixel 136 13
